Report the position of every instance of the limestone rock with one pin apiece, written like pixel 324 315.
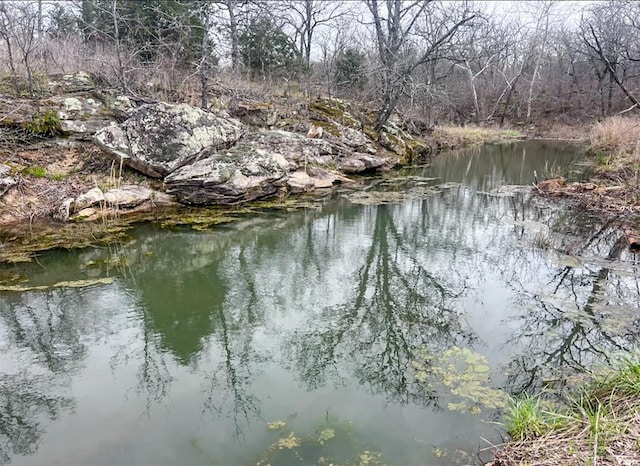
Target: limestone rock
pixel 128 196
pixel 256 114
pixel 6 182
pixel 89 214
pixel 315 132
pixel 227 178
pixel 295 148
pixel 67 83
pixel 254 168
pixel 398 141
pixel 81 116
pixel 15 111
pixel 301 181
pixel 160 138
pixel 357 140
pixel 92 197
pixel 361 162
pixel 64 210
pixel 260 164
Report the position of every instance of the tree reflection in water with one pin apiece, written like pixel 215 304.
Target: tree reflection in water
pixel 44 341
pixel 191 312
pixel 395 306
pixel 587 314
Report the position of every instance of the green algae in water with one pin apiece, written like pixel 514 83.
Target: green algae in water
pixel 465 375
pixel 276 425
pixel 332 442
pixel 202 219
pixel 326 434
pixel 7 276
pixel 71 236
pixel 371 197
pixel 63 284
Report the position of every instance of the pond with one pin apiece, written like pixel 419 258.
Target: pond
pixel 382 325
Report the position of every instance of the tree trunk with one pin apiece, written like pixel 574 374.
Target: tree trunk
pixel 233 34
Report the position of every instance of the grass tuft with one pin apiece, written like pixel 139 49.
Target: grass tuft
pixel 36 171
pixel 525 419
pixel 600 424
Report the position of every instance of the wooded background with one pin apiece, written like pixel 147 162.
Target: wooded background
pixel 483 63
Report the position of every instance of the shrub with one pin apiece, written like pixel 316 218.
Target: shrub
pixel 45 124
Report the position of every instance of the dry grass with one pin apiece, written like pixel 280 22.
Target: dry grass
pixel 615 142
pixel 614 184
pixel 457 136
pixel 565 131
pixel 615 136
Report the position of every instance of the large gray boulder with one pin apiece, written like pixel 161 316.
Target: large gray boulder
pixel 261 163
pixel 296 148
pixel 160 138
pixel 228 178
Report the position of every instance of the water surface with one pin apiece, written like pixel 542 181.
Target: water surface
pixel 387 331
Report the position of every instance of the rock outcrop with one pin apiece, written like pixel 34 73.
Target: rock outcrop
pixel 160 138
pixel 255 114
pixel 76 109
pixel 81 116
pixel 261 163
pixel 95 204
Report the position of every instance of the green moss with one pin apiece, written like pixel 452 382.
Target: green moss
pixel 36 171
pixel 417 150
pixel 63 284
pixel 21 244
pixel 21 247
pixel 198 219
pixel 335 110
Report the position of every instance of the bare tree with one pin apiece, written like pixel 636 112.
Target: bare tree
pixel 307 16
pixel 231 8
pixel 481 48
pixel 18 29
pixel 610 33
pixel 230 17
pixel 400 26
pixel 542 11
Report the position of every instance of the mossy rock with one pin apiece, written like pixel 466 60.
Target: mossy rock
pixel 336 110
pixel 408 148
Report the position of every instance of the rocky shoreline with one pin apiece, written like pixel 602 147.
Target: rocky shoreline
pixel 88 155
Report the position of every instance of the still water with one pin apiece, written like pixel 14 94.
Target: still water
pixel 382 326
